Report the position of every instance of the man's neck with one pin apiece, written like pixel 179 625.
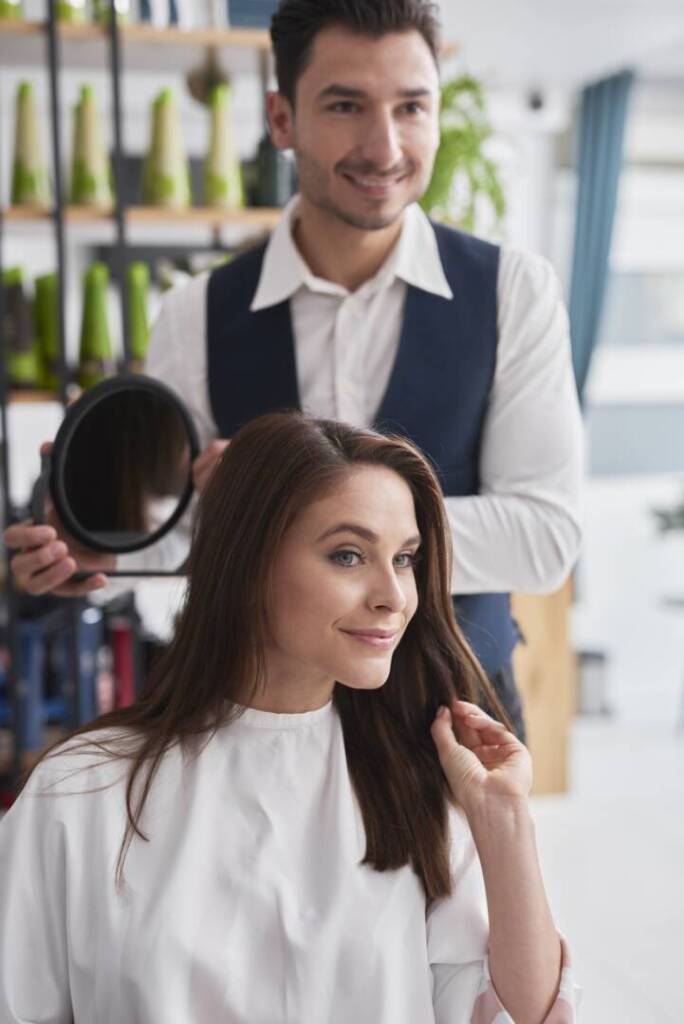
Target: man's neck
pixel 337 252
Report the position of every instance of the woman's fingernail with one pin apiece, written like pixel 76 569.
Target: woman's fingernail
pixel 441 711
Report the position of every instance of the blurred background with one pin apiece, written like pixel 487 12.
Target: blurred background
pixel 573 119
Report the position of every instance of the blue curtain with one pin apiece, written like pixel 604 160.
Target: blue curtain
pixel 602 128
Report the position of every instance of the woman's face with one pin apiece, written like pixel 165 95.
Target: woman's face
pixel 344 588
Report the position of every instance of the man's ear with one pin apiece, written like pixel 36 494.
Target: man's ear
pixel 280 120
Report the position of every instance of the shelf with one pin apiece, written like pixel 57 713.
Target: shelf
pixel 31 397
pixel 255 217
pixel 264 218
pixel 144 48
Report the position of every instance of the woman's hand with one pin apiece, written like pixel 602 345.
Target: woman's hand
pixel 481 759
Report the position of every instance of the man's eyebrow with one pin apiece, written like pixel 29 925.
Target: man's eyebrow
pixel 350 92
pixel 362 531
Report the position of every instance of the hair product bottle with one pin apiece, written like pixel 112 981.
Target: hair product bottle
pixel 275 181
pixel 95 360
pixel 222 173
pixel 72 11
pixel 166 175
pixel 23 367
pixel 11 9
pixel 45 315
pixel 30 185
pixel 91 180
pixel 137 289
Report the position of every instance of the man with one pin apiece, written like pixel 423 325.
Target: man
pixel 360 309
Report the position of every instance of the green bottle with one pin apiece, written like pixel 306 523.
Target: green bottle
pixel 46 317
pixel 10 9
pixel 23 364
pixel 101 11
pixel 71 11
pixel 29 175
pixel 276 175
pixel 222 172
pixel 91 179
pixel 137 288
pixel 166 174
pixel 95 361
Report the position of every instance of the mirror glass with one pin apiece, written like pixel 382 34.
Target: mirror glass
pixel 121 467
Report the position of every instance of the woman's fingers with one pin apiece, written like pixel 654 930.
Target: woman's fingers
pixel 474 726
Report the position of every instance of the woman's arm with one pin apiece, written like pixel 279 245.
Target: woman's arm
pixel 490 774
pixel 524 946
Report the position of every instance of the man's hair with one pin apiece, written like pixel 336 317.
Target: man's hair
pixel 296 23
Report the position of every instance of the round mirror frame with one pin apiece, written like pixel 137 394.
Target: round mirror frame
pixel 73 417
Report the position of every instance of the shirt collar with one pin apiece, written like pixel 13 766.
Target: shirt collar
pixel 414 259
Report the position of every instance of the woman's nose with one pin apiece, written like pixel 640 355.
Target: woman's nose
pixel 388 593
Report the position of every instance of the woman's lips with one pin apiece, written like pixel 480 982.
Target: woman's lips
pixel 381 639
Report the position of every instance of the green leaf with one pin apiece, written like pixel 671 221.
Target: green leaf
pixel 464 130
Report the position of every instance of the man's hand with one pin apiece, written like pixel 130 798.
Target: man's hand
pixel 48 557
pixel 45 562
pixel 205 464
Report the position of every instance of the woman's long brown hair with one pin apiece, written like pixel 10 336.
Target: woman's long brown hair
pixel 272 470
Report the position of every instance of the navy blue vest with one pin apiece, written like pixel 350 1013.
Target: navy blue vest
pixel 437 394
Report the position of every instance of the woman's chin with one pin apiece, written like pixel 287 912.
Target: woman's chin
pixel 364 680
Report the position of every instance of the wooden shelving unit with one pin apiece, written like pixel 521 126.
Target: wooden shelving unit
pixel 31 396
pixel 248 38
pixel 264 218
pixel 170 53
pixel 144 48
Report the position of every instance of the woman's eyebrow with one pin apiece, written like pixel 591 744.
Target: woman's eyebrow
pixel 361 531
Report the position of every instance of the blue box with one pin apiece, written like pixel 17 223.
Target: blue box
pixel 251 13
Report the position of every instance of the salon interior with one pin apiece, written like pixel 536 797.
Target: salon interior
pixel 581 129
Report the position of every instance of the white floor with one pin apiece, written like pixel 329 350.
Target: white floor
pixel 613 848
pixel 613 859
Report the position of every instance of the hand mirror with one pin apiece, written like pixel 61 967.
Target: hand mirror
pixel 119 473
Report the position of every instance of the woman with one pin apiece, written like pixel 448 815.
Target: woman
pixel 306 816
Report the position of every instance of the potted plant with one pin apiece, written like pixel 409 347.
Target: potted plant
pixel 463 174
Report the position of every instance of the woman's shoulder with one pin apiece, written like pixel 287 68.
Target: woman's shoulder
pixel 97 758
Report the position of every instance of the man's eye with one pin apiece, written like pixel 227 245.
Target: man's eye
pixel 343 107
pixel 347 558
pixel 413 108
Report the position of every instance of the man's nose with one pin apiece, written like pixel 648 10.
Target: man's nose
pixel 382 147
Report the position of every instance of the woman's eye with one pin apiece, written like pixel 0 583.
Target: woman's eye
pixel 347 558
pixel 407 560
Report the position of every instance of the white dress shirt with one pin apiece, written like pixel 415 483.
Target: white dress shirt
pixel 248 904
pixel 522 531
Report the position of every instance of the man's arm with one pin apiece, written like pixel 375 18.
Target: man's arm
pixel 47 559
pixel 523 530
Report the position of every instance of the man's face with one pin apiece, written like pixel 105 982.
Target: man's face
pixel 366 125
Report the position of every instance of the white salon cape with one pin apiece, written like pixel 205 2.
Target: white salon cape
pixel 248 905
